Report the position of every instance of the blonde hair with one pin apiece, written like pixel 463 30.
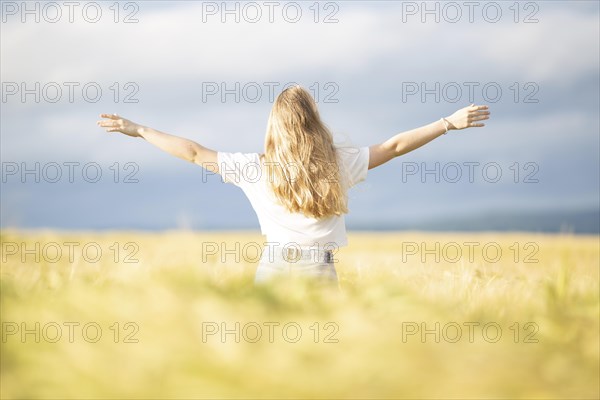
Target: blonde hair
pixel 301 159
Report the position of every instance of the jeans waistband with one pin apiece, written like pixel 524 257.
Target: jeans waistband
pixel 295 253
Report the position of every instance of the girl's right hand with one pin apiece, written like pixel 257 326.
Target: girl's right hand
pixel 468 117
pixel 115 123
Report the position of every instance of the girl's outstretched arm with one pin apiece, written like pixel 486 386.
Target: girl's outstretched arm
pixel 177 146
pixel 408 141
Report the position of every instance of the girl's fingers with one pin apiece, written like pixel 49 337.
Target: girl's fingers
pixel 110 116
pixel 106 123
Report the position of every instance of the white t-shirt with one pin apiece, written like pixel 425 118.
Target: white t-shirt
pixel 278 224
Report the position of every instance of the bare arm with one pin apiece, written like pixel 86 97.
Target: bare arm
pixel 408 141
pixel 177 146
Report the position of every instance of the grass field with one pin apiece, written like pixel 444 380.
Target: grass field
pixel 175 315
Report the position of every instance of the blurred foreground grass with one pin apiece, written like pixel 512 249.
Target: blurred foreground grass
pixel 520 324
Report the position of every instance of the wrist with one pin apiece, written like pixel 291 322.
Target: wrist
pixel 451 126
pixel 141 130
pixel 445 124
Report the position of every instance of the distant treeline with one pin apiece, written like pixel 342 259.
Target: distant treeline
pixel 578 222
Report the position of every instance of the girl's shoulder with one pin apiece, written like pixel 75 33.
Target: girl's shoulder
pixel 238 157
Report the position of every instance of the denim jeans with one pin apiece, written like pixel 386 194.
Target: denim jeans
pixel 311 264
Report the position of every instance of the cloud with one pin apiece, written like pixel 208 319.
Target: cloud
pixel 175 41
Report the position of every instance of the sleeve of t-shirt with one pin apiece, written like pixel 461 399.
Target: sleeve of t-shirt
pixel 355 163
pixel 239 168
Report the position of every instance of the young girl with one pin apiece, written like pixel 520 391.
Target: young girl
pixel 298 186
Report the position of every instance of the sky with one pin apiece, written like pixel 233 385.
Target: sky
pixel 209 71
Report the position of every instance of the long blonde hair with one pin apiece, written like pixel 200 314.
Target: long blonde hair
pixel 301 159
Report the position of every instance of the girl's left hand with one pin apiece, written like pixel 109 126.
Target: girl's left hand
pixel 468 117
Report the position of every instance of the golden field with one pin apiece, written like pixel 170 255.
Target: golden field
pixel 417 315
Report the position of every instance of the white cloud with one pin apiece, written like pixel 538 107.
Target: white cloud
pixel 174 41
